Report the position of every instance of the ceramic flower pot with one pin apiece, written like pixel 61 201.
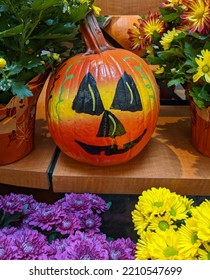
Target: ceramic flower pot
pixel 17 122
pixel 200 129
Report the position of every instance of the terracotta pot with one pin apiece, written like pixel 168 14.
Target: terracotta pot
pixel 200 128
pixel 17 123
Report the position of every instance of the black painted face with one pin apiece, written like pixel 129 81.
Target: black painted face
pixel 88 101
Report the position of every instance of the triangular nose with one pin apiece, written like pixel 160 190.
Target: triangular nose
pixel 110 126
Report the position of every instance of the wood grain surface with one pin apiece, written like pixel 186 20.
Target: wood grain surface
pixel 168 160
pixel 32 170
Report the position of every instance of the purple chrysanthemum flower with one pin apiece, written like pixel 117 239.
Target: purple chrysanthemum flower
pixel 15 202
pixel 58 249
pixel 68 224
pixel 84 246
pixel 75 203
pixel 29 244
pixel 45 216
pixel 90 222
pixel 6 252
pixel 97 203
pixel 121 249
pixel 8 231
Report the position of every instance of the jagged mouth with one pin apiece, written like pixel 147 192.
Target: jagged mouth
pixel 110 149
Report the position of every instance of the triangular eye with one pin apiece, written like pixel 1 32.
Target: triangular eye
pixel 88 98
pixel 126 97
pixel 110 126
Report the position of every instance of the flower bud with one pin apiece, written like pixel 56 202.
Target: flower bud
pixel 3 63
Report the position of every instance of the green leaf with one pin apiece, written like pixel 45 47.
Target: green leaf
pixel 14 69
pixel 200 37
pixel 169 54
pixel 40 5
pixel 108 205
pixel 61 31
pixel 33 62
pixel 189 51
pixel 12 31
pixel 21 90
pixel 78 13
pixel 207 45
pixel 8 219
pixel 191 71
pixel 5 85
pixel 176 82
pixel 205 94
pixel 3 8
pixel 191 63
pixel 154 60
pixel 201 95
pixel 170 17
pixel 180 36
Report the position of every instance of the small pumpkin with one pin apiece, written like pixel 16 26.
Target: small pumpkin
pixel 102 106
pixel 117 27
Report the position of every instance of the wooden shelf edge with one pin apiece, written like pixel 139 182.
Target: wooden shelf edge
pixel 130 185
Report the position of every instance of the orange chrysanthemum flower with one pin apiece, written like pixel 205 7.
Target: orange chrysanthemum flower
pixel 136 36
pixel 151 24
pixel 197 16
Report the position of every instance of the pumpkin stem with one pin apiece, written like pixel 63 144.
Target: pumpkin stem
pixel 93 36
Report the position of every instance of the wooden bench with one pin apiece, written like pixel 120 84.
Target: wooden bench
pixel 168 160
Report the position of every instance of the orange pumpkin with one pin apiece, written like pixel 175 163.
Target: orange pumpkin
pixel 102 106
pixel 117 28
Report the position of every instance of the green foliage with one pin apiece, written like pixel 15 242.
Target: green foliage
pixel 201 96
pixel 29 27
pixel 180 65
pixel 7 219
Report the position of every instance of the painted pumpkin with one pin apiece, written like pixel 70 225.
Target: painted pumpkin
pixel 102 106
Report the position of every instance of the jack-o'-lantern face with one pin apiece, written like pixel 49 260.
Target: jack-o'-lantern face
pixel 88 101
pixel 101 114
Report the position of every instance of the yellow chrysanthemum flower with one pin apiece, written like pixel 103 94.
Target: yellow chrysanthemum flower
pixel 188 202
pixel 96 10
pixel 3 63
pixel 139 220
pixel 163 223
pixel 142 252
pixel 154 201
pixel 168 37
pixel 189 242
pixel 178 207
pixel 204 254
pixel 56 56
pixel 201 214
pixel 160 70
pixel 203 69
pixel 164 245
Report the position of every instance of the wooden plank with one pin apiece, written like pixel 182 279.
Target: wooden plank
pixel 32 170
pixel 168 160
pixel 132 7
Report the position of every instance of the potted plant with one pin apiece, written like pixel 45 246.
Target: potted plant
pixel 176 39
pixel 31 37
